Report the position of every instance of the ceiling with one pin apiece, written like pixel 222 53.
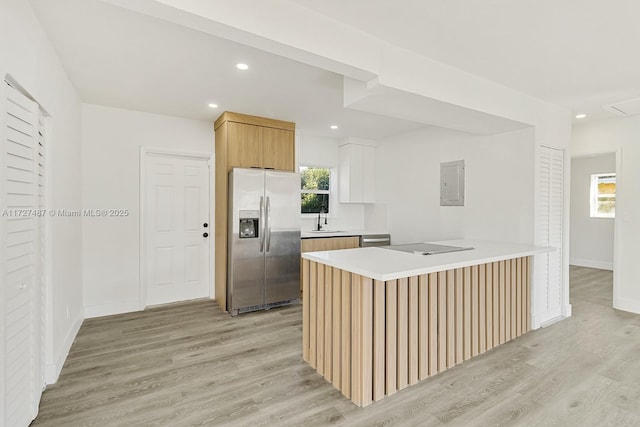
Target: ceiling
pixel 118 58
pixel 576 53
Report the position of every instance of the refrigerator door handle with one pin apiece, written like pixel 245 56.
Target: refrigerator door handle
pixel 261 228
pixel 268 224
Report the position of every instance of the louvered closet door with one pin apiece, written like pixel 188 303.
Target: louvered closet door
pixel 549 232
pixel 42 253
pixel 20 275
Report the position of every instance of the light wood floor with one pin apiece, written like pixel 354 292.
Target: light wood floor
pixel 191 364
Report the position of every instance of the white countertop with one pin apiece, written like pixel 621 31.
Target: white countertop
pixel 385 264
pixel 308 234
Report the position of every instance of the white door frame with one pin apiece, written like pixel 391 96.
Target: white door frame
pixel 3 352
pixel 144 152
pixel 616 228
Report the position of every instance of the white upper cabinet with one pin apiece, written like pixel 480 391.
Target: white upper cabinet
pixel 356 171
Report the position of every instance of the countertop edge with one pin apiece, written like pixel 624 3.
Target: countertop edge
pixel 332 259
pixel 344 233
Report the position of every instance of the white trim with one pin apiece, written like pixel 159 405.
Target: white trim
pixel 358 141
pixel 534 322
pixel 626 304
pixel 567 310
pixel 142 277
pixel 616 236
pixel 53 368
pixel 144 152
pixel 11 81
pixel 3 350
pixel 108 309
pixel 600 265
pixel 552 321
pixel 297 152
pixel 212 227
pixel 49 355
pixel 616 229
pixel 177 153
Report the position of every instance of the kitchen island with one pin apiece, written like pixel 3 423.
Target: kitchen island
pixel 377 320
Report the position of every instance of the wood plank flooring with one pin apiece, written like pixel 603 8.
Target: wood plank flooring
pixel 190 364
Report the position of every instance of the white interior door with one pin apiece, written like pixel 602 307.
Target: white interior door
pixel 21 312
pixel 176 211
pixel 548 295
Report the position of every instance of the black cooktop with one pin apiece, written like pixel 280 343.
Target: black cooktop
pixel 426 248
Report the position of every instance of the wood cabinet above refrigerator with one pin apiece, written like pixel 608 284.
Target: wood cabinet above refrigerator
pixel 244 141
pixel 256 142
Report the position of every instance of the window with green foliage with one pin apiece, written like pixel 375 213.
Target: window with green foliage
pixel 314 189
pixel 603 195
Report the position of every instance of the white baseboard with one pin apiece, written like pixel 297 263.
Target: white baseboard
pixel 112 308
pixel 627 304
pixel 536 324
pixel 552 321
pixel 600 265
pixel 568 310
pixel 52 370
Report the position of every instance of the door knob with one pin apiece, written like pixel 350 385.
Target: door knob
pixel 205 225
pixel 205 234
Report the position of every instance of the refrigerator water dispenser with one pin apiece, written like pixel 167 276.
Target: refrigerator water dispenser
pixel 249 225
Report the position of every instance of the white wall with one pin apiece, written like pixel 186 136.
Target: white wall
pixel 619 135
pixel 591 238
pixel 323 152
pixel 27 55
pixel 499 186
pixel 111 179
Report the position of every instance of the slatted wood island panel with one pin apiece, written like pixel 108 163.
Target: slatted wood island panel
pixel 371 338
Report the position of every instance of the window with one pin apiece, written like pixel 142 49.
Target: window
pixel 315 189
pixel 603 195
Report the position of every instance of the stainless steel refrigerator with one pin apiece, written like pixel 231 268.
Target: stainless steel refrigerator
pixel 263 240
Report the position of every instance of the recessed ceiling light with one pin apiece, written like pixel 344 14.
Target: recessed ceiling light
pixel 213 105
pixel 242 66
pixel 334 127
pixel 580 116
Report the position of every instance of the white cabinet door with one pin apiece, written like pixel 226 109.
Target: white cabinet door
pixel 356 167
pixel 368 174
pixel 357 173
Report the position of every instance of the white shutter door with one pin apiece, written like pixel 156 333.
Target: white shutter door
pixel 549 233
pixel 42 253
pixel 19 278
